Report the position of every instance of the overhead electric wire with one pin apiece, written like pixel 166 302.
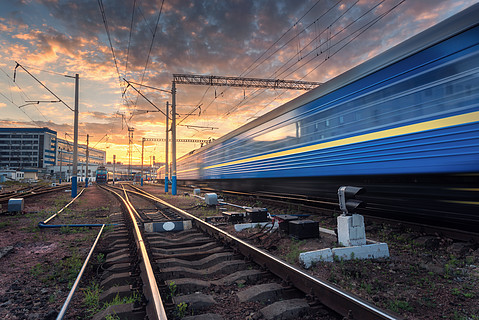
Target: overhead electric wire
pixel 299 33
pixel 366 27
pixel 151 47
pixel 281 47
pixel 59 100
pixel 105 23
pixel 129 38
pixel 290 28
pixel 329 40
pixel 11 101
pixel 252 95
pixel 319 36
pixel 246 70
pixel 359 32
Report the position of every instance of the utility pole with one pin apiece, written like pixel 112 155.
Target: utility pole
pixel 61 160
pixel 166 149
pixel 87 156
pixel 173 138
pixel 142 151
pixel 114 162
pixel 130 150
pixel 75 140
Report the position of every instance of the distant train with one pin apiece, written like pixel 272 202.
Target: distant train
pixel 101 175
pixel 404 124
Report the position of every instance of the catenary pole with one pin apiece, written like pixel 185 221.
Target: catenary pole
pixel 75 140
pixel 166 148
pixel 173 138
pixel 142 152
pixel 86 166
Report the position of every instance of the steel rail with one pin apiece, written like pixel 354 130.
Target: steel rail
pixel 145 194
pixel 31 193
pixel 64 308
pixel 66 206
pixel 157 310
pixel 345 304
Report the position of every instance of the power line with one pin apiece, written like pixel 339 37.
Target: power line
pixel 299 33
pixel 271 46
pixel 129 37
pixel 252 95
pixel 290 28
pixel 105 23
pixel 359 32
pixel 14 75
pixel 11 101
pixel 151 47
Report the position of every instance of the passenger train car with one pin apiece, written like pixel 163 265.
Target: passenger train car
pixel 404 124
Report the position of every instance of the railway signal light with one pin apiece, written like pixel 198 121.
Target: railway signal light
pixel 347 199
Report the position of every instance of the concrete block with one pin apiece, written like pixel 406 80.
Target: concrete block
pixel 167 226
pixel 261 293
pixel 205 316
pixel 348 234
pixel 211 199
pixel 15 205
pixel 307 259
pixel 195 301
pixel 286 309
pixel 357 220
pixel 369 251
pixel 243 226
pixel 196 192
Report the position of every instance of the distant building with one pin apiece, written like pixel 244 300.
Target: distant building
pixel 11 175
pixel 27 147
pixel 41 149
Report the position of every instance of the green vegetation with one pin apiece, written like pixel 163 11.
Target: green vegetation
pixel 4 224
pixel 399 305
pixel 100 258
pixel 181 309
pixel 172 289
pixel 292 255
pixel 65 271
pixel 91 300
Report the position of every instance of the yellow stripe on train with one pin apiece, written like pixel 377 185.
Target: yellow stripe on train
pixel 413 128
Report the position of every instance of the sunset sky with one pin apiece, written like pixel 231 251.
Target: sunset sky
pixel 152 40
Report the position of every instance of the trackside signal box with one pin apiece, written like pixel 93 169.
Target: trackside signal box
pixel 303 229
pixel 348 203
pixel 351 231
pixel 257 214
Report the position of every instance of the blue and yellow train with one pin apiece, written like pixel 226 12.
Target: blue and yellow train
pixel 404 124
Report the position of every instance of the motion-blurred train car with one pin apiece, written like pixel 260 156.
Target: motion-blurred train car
pixel 404 124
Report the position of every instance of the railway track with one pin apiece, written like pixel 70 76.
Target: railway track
pixel 28 193
pixel 324 206
pixel 207 272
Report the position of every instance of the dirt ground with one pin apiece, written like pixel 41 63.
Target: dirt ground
pixel 38 266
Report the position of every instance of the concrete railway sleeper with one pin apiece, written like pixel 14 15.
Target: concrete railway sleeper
pixel 205 273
